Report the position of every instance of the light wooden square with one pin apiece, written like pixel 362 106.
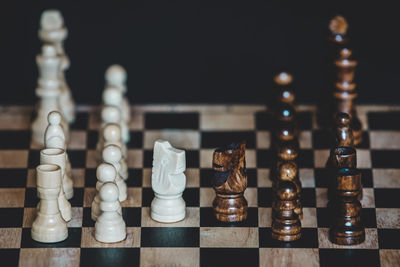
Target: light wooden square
pixel 182 139
pixel 135 158
pixel 10 237
pixel 263 139
pixel 43 257
pixel 12 197
pixel 13 159
pixel 229 237
pixel 152 257
pixel 293 257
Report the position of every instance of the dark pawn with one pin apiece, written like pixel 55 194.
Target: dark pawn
pixel 345 92
pixel 348 228
pixel 289 171
pixel 344 134
pixel 286 225
pixel 285 151
pixel 230 182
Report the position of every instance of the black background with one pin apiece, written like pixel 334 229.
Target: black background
pixel 202 52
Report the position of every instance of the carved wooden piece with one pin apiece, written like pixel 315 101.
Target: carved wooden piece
pixel 345 91
pixel 348 228
pixel 230 182
pixel 286 225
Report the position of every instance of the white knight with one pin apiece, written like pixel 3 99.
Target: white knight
pixel 168 182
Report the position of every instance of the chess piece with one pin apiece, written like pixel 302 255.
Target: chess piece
pixel 345 91
pixel 53 32
pixel 286 225
pixel 116 76
pixel 49 226
pixel 112 96
pixel 48 91
pixel 105 173
pixel 110 226
pixel 338 27
pixel 348 228
pixel 57 157
pixel 288 171
pixel 168 182
pixel 112 136
pixel 112 155
pixel 54 138
pixel 344 133
pixel 230 182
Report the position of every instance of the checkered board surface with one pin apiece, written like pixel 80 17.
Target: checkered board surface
pixel 200 240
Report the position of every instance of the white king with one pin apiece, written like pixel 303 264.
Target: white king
pixel 168 182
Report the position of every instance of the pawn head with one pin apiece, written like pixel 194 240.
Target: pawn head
pixel 288 171
pixel 51 20
pixel 112 96
pixel 343 119
pixel 109 192
pixel 115 75
pixel 287 152
pixel 112 133
pixel 106 172
pixel 49 50
pixel 54 118
pixel 111 114
pixel 286 191
pixel 112 154
pixel 283 78
pixel 338 25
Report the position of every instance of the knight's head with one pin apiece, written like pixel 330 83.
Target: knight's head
pixel 170 157
pixel 225 158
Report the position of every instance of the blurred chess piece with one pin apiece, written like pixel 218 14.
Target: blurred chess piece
pixel 168 182
pixel 48 91
pixel 52 31
pixel 49 226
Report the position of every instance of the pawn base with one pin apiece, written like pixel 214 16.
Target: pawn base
pixel 230 208
pixel 348 237
pixel 286 238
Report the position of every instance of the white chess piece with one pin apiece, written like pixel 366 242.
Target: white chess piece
pixel 112 155
pixel 113 97
pixel 48 91
pixel 105 173
pixel 110 226
pixel 112 136
pixel 54 138
pixel 49 226
pixel 168 182
pixel 52 31
pixel 56 156
pixel 116 76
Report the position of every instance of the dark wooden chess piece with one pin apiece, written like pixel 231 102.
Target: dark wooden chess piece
pixel 338 27
pixel 348 228
pixel 286 225
pixel 230 182
pixel 345 92
pixel 289 171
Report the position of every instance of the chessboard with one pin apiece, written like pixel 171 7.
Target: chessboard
pixel 200 240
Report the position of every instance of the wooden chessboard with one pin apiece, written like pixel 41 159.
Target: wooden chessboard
pixel 200 240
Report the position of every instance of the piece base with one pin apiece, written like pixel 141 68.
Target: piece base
pixel 286 238
pixel 167 218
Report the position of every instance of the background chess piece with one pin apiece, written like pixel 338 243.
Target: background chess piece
pixel 116 76
pixel 54 137
pixel 53 32
pixel 112 136
pixel 112 96
pixel 48 91
pixel 230 182
pixel 348 228
pixel 110 227
pixel 345 92
pixel 57 157
pixel 112 155
pixel 105 173
pixel 49 226
pixel 286 225
pixel 168 182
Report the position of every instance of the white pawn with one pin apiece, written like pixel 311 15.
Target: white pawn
pixel 105 173
pixel 168 182
pixel 112 155
pixel 112 136
pixel 52 31
pixel 113 97
pixel 56 156
pixel 54 138
pixel 110 226
pixel 116 76
pixel 49 226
